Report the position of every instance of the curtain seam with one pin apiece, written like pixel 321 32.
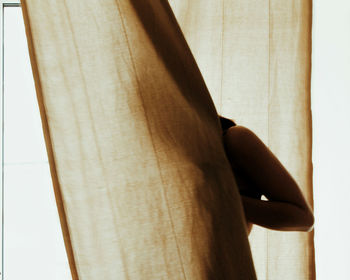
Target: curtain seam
pixel 149 130
pixel 94 133
pixel 268 117
pixel 222 54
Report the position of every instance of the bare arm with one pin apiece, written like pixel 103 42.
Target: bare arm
pixel 276 215
pixel 286 208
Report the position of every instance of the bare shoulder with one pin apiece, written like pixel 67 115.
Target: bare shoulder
pixel 239 130
pixel 239 134
pixel 242 142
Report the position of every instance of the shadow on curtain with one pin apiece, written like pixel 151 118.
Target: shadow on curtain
pixel 142 183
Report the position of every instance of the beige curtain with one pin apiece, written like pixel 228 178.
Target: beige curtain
pixel 142 184
pixel 255 57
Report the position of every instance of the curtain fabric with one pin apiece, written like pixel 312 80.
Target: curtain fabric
pixel 142 183
pixel 143 186
pixel 255 57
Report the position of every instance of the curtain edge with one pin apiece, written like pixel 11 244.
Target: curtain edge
pixel 48 143
pixel 311 200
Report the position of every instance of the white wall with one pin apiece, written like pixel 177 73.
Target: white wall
pixel 331 137
pixel 33 242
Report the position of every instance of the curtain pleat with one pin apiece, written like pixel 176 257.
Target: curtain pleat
pixel 255 57
pixel 143 187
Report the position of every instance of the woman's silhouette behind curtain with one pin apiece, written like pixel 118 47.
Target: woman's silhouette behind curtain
pixel 143 187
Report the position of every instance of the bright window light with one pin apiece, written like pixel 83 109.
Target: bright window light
pixel 33 242
pixel 331 137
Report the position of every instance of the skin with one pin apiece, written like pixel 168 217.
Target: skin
pixel 257 168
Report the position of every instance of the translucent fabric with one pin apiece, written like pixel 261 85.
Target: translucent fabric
pixel 142 183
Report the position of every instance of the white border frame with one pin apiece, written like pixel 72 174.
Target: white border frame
pixel 3 3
